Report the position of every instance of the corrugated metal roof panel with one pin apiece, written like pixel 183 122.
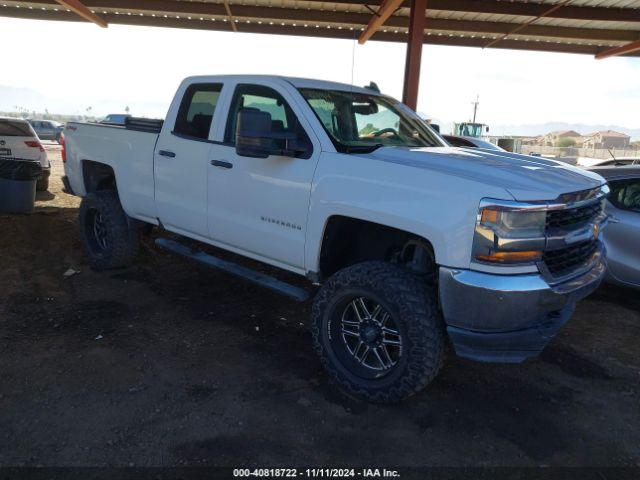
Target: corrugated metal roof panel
pixel 582 23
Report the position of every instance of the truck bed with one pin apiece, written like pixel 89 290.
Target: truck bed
pixel 149 125
pixel 127 149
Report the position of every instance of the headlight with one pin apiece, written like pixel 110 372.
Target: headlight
pixel 509 234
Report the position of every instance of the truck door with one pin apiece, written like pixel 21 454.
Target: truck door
pixel 181 161
pixel 260 205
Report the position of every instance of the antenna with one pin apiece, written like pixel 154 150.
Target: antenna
pixel 475 107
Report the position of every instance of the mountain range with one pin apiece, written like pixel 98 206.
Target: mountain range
pixel 25 99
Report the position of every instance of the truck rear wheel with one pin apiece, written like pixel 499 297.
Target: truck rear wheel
pixel 378 331
pixel 108 238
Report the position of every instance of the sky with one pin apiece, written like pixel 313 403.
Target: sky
pixel 76 65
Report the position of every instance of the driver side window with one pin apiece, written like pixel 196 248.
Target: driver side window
pixel 265 99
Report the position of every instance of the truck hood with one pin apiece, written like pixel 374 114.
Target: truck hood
pixel 526 178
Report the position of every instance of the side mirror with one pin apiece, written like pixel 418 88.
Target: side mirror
pixel 255 137
pixel 253 134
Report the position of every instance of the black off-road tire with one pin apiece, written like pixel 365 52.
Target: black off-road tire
pixel 122 236
pixel 42 185
pixel 411 301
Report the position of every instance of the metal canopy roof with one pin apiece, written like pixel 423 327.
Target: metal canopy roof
pixel 574 26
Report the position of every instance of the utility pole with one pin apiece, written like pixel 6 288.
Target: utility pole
pixel 475 107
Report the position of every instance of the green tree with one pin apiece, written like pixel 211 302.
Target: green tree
pixel 566 142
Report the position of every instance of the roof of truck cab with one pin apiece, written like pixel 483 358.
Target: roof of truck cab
pixel 295 81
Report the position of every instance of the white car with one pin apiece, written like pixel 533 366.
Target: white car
pixel 587 162
pixel 413 243
pixel 18 140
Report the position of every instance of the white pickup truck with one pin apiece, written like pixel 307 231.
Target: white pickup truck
pixel 414 243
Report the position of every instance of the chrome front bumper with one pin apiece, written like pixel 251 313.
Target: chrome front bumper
pixel 509 318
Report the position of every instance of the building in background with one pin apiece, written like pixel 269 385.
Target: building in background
pixel 606 139
pixel 562 138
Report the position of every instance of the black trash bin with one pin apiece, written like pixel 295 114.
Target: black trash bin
pixel 18 179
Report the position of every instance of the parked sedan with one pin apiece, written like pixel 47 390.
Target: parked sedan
pixel 622 236
pixel 18 140
pixel 47 129
pixel 587 162
pixel 471 142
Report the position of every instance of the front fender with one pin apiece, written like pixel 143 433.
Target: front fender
pixel 435 206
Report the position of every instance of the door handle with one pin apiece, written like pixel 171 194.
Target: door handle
pixel 613 219
pixel 220 163
pixel 167 153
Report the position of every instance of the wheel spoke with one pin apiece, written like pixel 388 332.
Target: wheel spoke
pixel 361 309
pixel 365 352
pixel 350 322
pixel 361 352
pixel 383 364
pixel 376 312
pixel 350 333
pixel 99 231
pixel 357 349
pixel 390 331
pixel 385 354
pixel 354 307
pixel 395 343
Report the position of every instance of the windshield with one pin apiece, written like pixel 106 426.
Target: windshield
pixel 358 122
pixel 470 130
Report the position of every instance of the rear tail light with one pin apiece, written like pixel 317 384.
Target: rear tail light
pixel 34 144
pixel 63 153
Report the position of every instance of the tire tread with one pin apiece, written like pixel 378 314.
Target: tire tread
pixel 125 238
pixel 416 301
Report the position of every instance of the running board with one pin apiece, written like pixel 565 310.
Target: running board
pixel 254 276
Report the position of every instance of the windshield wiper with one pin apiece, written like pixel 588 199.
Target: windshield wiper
pixel 362 148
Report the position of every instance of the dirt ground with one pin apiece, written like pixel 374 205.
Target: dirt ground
pixel 168 363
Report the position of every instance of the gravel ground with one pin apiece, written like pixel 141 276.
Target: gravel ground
pixel 168 363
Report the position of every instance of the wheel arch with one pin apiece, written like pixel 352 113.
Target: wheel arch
pixel 349 240
pixel 98 176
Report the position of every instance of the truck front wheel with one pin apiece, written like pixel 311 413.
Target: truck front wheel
pixel 108 238
pixel 378 331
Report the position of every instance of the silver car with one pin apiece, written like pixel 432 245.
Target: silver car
pixel 622 235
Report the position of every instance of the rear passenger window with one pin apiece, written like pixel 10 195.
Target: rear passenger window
pixel 196 110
